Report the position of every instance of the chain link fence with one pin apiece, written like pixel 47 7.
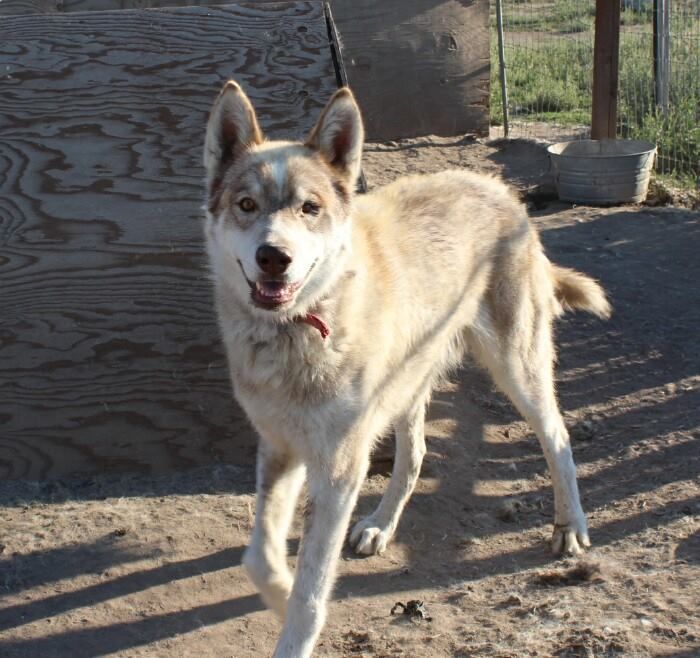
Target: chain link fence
pixel 548 49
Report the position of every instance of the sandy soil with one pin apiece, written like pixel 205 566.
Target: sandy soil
pixel 139 566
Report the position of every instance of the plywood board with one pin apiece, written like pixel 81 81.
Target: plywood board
pixel 417 67
pixel 109 352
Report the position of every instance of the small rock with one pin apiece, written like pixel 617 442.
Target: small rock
pixel 583 572
pixel 512 600
pixel 509 511
pixel 583 431
pixel 470 540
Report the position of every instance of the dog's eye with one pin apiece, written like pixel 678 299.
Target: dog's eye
pixel 247 204
pixel 310 208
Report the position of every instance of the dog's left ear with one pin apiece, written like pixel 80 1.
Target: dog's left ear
pixel 338 135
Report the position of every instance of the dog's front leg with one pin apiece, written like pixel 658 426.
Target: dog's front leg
pixel 332 495
pixel 279 479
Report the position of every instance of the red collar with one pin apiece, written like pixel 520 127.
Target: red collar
pixel 316 323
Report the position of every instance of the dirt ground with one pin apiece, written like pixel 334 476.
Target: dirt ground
pixel 139 566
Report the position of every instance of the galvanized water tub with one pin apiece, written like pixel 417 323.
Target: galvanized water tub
pixel 602 171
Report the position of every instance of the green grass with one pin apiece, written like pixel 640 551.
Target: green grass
pixel 548 81
pixel 677 132
pixel 550 77
pixel 558 16
pixel 636 17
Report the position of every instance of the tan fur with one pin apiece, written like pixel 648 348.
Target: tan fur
pixel 406 278
pixel 577 292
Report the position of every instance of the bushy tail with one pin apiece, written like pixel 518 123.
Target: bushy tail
pixel 575 291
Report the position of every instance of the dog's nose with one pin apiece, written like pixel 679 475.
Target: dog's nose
pixel 272 260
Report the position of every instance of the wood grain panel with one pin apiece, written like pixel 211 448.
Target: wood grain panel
pixel 109 352
pixel 417 67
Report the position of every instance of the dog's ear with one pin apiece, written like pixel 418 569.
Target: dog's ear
pixel 232 128
pixel 338 135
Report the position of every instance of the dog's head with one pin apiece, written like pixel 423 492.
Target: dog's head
pixel 278 224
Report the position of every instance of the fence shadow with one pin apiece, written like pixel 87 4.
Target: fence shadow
pixel 223 478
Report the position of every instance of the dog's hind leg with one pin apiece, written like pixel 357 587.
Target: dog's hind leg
pixel 521 361
pixel 279 480
pixel 372 534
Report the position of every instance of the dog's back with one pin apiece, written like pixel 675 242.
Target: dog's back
pixel 442 250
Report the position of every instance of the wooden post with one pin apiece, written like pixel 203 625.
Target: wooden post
pixel 605 69
pixel 662 55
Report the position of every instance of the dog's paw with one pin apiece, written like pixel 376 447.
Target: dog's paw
pixel 368 537
pixel 570 538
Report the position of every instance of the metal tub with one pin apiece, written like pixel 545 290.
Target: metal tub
pixel 602 172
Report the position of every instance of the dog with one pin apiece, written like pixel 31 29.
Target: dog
pixel 339 314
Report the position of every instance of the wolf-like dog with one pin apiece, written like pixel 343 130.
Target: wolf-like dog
pixel 339 313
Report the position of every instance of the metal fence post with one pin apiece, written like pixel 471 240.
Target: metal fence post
pixel 502 65
pixel 662 54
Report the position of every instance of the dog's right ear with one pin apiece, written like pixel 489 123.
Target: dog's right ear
pixel 232 128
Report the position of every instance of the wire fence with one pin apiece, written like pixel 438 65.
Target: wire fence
pixel 548 47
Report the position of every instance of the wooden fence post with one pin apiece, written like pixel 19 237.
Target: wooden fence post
pixel 605 69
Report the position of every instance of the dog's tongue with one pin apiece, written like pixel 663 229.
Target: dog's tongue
pixel 316 323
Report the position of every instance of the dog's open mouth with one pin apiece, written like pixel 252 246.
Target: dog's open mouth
pixel 271 294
